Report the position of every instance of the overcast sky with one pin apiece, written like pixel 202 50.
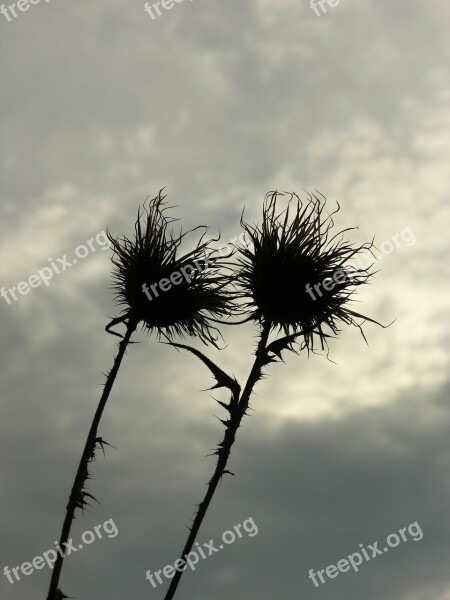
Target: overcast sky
pixel 221 101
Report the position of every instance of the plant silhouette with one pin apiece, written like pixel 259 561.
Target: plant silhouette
pixel 152 254
pixel 293 251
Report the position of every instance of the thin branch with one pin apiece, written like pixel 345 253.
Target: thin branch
pixel 77 494
pixel 237 411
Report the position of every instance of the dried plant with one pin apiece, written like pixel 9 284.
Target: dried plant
pixel 268 282
pixel 188 309
pixel 291 249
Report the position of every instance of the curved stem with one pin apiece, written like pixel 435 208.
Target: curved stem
pixel 224 451
pixel 76 493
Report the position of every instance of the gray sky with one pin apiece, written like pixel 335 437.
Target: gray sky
pixel 222 101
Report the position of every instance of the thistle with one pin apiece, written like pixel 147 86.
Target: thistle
pixel 189 307
pixel 296 282
pixel 297 276
pixel 292 252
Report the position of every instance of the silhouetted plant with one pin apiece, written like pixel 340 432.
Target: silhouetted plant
pixel 187 309
pixel 290 250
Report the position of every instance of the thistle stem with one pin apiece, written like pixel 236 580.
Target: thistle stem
pixel 89 449
pixel 224 451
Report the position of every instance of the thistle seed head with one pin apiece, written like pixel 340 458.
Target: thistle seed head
pixel 171 294
pixel 297 275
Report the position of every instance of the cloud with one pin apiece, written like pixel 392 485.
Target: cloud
pixel 221 102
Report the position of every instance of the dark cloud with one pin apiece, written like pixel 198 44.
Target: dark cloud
pixel 220 102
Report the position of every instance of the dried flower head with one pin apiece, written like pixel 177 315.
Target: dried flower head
pixel 174 295
pixel 294 275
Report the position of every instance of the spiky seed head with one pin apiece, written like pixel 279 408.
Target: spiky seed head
pixel 189 306
pixel 292 251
